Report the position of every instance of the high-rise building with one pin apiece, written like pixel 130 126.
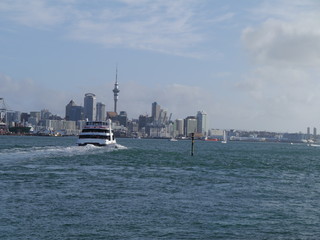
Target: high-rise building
pixel 74 112
pixel 155 111
pixel 142 121
pixel 202 123
pixel 90 106
pixel 123 119
pixel 179 127
pixel 101 112
pixel 69 109
pixel 190 125
pixel 116 92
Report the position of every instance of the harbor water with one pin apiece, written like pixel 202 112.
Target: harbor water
pixel 153 189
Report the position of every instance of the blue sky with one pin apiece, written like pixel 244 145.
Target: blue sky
pixel 249 64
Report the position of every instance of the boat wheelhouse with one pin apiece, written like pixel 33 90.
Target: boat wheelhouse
pixel 97 133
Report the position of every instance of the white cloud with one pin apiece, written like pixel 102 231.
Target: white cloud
pixel 284 50
pixel 286 43
pixel 289 35
pixel 283 84
pixel 160 26
pixel 34 13
pixel 165 26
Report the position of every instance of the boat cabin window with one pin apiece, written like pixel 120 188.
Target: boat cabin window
pixel 95 130
pixel 97 123
pixel 95 136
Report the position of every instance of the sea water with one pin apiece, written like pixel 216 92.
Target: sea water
pixel 153 189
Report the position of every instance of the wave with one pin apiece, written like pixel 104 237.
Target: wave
pixel 55 151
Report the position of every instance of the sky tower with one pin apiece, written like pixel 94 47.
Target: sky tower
pixel 116 91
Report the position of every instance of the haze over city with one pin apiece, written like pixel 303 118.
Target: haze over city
pixel 248 64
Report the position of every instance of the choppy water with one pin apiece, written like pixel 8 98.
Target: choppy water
pixel 154 189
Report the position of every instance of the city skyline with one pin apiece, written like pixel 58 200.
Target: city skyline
pixel 247 64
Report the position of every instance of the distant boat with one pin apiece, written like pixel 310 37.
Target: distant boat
pixel 225 138
pixel 314 145
pixel 173 140
pixel 211 139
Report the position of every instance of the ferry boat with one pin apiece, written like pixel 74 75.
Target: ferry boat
pixel 98 133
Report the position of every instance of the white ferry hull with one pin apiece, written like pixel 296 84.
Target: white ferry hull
pixel 84 142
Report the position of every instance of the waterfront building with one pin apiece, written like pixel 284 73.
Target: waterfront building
pixel 179 127
pixel 190 125
pixel 143 120
pixel 24 117
pixel 45 114
pixel 14 117
pixel 90 106
pixel 34 118
pixel 202 123
pixel 101 112
pixel 62 126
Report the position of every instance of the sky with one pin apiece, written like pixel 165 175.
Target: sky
pixel 250 65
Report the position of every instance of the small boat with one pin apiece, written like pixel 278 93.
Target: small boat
pixel 98 133
pixel 173 140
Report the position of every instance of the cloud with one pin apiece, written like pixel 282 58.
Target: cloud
pixel 160 26
pixel 34 13
pixel 170 27
pixel 289 36
pixel 285 43
pixel 284 50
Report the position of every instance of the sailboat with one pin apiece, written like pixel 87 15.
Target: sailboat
pixel 225 138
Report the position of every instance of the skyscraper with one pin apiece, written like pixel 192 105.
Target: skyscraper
pixel 101 111
pixel 69 110
pixel 155 111
pixel 202 123
pixel 116 91
pixel 90 106
pixel 190 125
pixel 179 127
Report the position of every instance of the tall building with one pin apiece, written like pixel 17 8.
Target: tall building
pixel 155 111
pixel 69 109
pixel 190 125
pixel 101 112
pixel 123 119
pixel 202 123
pixel 142 121
pixel 179 127
pixel 116 92
pixel 74 112
pixel 90 106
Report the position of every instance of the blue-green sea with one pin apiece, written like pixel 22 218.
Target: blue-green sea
pixel 153 189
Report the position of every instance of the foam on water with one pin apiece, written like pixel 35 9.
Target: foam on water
pixel 55 151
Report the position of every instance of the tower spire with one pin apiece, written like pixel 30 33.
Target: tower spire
pixel 116 91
